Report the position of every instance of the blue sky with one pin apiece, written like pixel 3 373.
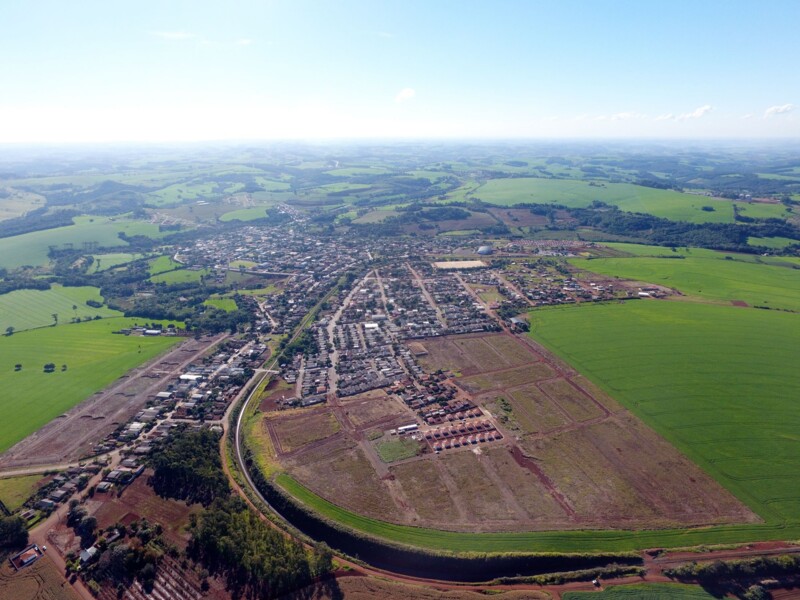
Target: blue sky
pixel 201 70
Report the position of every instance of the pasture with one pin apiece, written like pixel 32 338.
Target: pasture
pixel 103 262
pixel 32 248
pixel 627 196
pixel 29 309
pixel 180 276
pixel 718 382
pixel 709 279
pixel 92 355
pixel 162 264
pixel 15 490
pixel 226 304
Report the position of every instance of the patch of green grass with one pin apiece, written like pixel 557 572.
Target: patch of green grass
pixel 162 264
pixel 709 279
pixel 181 192
pixel 773 242
pixel 245 214
pixel 28 309
pixel 718 382
pixel 180 276
pixel 247 264
pixel 32 248
pixel 763 210
pixel 104 262
pixel 226 304
pixel 94 358
pixel 629 197
pixel 397 449
pixel 648 591
pixel 15 490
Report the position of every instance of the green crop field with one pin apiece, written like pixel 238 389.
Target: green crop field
pixel 28 309
pixel 94 358
pixel 711 278
pixel 633 198
pixel 32 248
pixel 719 382
pixel 775 243
pixel 651 591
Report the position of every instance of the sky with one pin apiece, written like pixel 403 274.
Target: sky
pixel 168 70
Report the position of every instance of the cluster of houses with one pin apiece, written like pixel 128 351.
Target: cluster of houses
pixel 543 285
pixel 461 312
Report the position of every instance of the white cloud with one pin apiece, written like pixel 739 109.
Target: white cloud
pixel 626 116
pixel 174 36
pixel 747 116
pixel 697 113
pixel 405 94
pixel 779 110
pixel 666 117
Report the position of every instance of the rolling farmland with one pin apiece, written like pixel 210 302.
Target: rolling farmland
pixel 32 248
pixel 709 279
pixel 29 309
pixel 93 357
pixel 633 198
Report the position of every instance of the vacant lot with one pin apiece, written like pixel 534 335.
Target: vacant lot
pixel 374 406
pixel 296 431
pixel 498 380
pixel 392 450
pixel 719 382
pixel 92 355
pixel 534 411
pixel 29 309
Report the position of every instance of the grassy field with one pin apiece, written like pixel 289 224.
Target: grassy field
pixel 775 243
pixel 226 304
pixel 720 383
pixel 94 358
pixel 32 248
pixel 28 309
pixel 709 279
pixel 179 276
pixel 245 214
pixel 162 264
pixel 633 198
pixel 652 591
pixel 103 262
pixel 15 490
pixel 397 449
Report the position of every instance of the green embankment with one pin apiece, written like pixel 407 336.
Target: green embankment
pixel 93 356
pixel 29 309
pixel 651 591
pixel 667 204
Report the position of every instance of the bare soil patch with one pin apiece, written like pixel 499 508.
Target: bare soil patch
pixel 518 217
pixel 498 380
pixel 373 408
pixel 579 406
pixel 534 410
pixel 426 491
pixel 297 430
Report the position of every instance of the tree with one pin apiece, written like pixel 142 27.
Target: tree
pixel 9 330
pixel 13 533
pixel 55 319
